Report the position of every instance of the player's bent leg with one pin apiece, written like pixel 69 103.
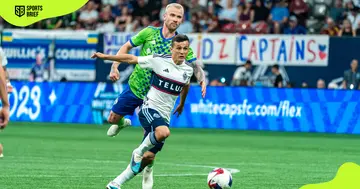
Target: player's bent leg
pixel 119 123
pixel 124 105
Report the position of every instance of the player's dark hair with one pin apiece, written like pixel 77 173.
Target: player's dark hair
pixel 179 38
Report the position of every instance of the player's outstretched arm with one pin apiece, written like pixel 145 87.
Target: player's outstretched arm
pixel 129 58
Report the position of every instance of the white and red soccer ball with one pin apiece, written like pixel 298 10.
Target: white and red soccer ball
pixel 219 178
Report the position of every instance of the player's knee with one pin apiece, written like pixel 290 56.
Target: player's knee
pixel 163 132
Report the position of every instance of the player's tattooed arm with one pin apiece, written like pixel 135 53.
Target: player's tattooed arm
pixel 179 109
pixel 129 58
pixel 200 76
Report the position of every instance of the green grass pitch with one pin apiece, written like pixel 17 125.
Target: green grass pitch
pixel 46 155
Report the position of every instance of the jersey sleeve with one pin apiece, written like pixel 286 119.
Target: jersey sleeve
pixel 191 56
pixel 3 58
pixel 140 37
pixel 146 62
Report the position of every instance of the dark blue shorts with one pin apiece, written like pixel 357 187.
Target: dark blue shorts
pixel 126 103
pixel 150 119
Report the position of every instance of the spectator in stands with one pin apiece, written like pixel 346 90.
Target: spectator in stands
pixel 320 84
pixel 53 23
pixel 354 17
pixel 118 8
pixel 122 20
pixel 196 7
pixel 69 20
pixel 242 75
pixel 228 15
pixel 330 28
pixel 245 13
pixel 300 10
pixel 279 16
pixel 347 29
pixel 140 9
pixel 89 15
pixel 352 76
pixel 214 7
pixel 278 77
pixel 224 3
pixel 208 22
pixel 186 27
pixel 294 28
pixel 195 22
pixel 261 13
pixel 106 22
pixel 337 12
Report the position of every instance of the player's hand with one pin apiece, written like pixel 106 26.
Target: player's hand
pixel 179 109
pixel 114 74
pixel 4 115
pixel 203 89
pixel 98 55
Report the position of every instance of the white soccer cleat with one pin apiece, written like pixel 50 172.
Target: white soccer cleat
pixel 1 155
pixel 148 180
pixel 113 185
pixel 115 129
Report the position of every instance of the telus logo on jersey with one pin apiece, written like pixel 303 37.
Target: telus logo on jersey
pixel 167 85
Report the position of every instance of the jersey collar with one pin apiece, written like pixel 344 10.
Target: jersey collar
pixel 166 39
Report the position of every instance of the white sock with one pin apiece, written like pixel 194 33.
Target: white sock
pixel 148 143
pixel 125 176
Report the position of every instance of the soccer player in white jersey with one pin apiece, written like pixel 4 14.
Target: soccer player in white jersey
pixel 171 76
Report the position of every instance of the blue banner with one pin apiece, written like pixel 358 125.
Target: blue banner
pixel 22 51
pixel 290 110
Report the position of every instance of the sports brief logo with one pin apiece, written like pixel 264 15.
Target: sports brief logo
pixel 30 10
pixel 19 10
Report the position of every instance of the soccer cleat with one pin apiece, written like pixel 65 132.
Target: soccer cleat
pixel 148 180
pixel 1 155
pixel 135 163
pixel 115 129
pixel 113 185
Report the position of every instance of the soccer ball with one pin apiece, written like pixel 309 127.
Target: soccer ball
pixel 219 178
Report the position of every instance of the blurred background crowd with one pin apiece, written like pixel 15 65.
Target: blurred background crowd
pixel 332 17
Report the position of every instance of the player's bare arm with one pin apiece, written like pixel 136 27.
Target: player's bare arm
pixel 200 76
pixel 129 58
pixel 114 73
pixel 179 109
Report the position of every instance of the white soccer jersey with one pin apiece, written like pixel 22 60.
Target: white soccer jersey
pixel 3 57
pixel 168 80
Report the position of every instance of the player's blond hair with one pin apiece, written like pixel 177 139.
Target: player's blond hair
pixel 176 5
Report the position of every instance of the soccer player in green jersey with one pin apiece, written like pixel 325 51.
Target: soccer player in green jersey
pixel 153 40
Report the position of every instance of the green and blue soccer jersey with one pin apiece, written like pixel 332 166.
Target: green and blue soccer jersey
pixel 153 42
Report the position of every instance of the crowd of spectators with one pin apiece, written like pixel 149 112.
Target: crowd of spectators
pixel 241 16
